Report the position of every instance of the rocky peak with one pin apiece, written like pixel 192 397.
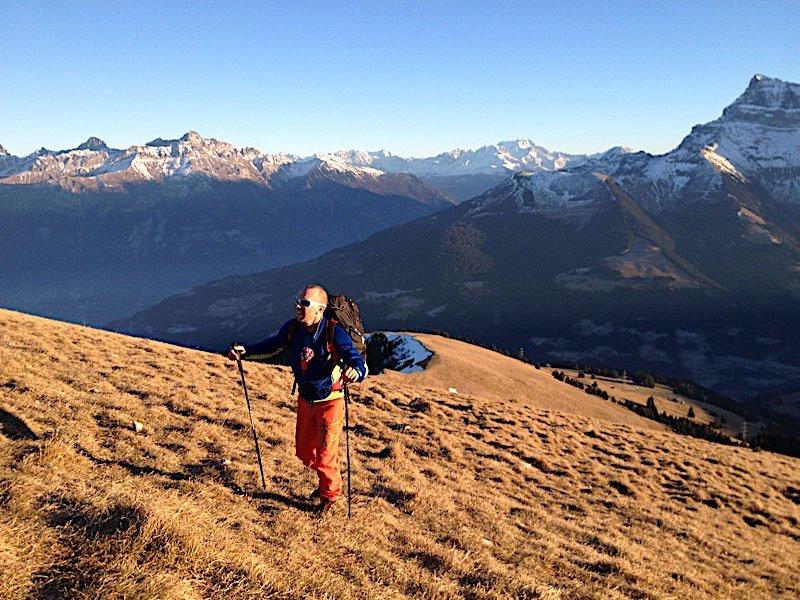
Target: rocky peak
pixel 767 101
pixel 3 151
pixel 93 143
pixel 193 138
pixel 455 153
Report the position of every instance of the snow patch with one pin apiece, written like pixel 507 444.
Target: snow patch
pixel 408 355
pixel 720 163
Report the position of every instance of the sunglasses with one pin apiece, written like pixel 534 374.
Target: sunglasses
pixel 305 302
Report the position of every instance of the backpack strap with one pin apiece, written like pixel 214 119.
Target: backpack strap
pixel 291 332
pixel 289 336
pixel 330 346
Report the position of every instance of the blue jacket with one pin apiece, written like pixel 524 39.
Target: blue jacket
pixel 315 383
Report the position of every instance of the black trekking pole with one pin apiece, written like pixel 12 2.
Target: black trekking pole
pixel 252 425
pixel 347 444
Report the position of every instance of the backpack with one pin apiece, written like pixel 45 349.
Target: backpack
pixel 344 312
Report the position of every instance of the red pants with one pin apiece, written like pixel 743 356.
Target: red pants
pixel 319 428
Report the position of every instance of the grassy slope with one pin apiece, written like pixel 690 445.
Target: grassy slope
pixel 456 496
pixel 502 380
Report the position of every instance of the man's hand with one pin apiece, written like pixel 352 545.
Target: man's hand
pixel 350 375
pixel 236 351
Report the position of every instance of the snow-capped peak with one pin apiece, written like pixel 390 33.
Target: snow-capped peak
pixel 193 138
pixel 334 162
pixel 556 193
pixel 519 146
pixel 757 138
pixel 770 92
pixel 357 158
pixel 497 160
pixel 615 151
pixel 767 101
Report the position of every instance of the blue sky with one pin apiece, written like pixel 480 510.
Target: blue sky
pixel 413 78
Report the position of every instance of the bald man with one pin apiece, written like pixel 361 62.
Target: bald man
pixel 322 359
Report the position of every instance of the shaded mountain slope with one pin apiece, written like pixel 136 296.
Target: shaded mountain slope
pixel 500 250
pixel 514 269
pixel 454 497
pixel 640 223
pixel 99 255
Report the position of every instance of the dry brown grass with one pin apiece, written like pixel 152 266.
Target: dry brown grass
pixel 456 495
pixel 480 372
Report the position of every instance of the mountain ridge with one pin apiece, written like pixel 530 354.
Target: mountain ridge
pixel 93 163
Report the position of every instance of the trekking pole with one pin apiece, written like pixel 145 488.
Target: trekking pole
pixel 252 425
pixel 347 444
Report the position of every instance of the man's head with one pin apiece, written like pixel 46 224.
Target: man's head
pixel 316 299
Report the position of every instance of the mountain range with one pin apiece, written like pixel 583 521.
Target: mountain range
pixel 460 174
pixel 93 233
pixel 108 231
pixel 687 263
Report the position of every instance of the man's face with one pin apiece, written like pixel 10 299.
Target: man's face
pixel 309 315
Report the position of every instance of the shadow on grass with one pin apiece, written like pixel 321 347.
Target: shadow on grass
pixel 206 468
pixel 84 530
pixel 15 428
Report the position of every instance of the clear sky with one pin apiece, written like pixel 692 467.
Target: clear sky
pixel 413 78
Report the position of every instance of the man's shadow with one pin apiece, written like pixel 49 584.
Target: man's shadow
pixel 200 470
pixel 16 429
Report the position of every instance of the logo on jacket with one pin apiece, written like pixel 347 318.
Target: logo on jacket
pixel 306 354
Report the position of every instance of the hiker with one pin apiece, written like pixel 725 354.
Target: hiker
pixel 322 359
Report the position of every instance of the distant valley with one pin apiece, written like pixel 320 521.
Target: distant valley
pixel 93 234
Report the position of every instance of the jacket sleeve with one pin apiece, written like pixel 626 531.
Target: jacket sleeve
pixel 348 353
pixel 272 343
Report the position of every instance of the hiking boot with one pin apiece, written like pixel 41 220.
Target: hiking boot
pixel 326 508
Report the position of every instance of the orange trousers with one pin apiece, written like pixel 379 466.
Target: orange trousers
pixel 319 428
